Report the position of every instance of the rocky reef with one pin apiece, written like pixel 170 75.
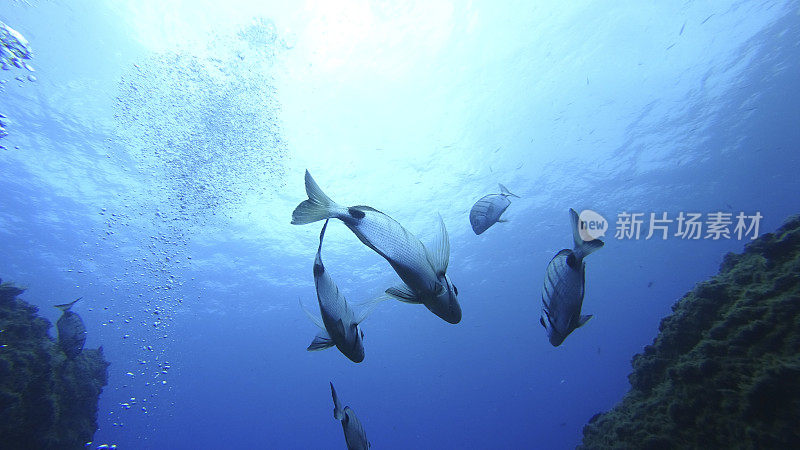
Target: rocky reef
pixel 724 371
pixel 46 400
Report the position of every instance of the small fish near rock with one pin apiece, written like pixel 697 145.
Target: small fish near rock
pixel 487 211
pixel 71 331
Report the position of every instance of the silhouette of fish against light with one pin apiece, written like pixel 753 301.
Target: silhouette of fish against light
pixel 71 331
pixel 354 433
pixel 487 211
pixel 423 270
pixel 564 283
pixel 339 324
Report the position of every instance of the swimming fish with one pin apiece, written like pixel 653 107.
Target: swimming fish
pixel 423 270
pixel 564 282
pixel 339 324
pixel 354 433
pixel 487 211
pixel 71 331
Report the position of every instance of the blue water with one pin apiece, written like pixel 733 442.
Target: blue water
pixel 153 166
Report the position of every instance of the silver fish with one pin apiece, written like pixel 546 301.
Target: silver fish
pixel 71 331
pixel 339 323
pixel 487 211
pixel 354 433
pixel 564 282
pixel 423 271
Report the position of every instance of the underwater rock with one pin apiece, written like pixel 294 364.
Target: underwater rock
pixel 724 370
pixel 46 400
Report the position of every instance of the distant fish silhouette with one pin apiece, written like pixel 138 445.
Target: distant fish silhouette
pixel 71 331
pixel 354 433
pixel 487 211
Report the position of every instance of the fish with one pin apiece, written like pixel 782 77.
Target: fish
pixel 564 287
pixel 339 325
pixel 423 271
pixel 71 330
pixel 487 211
pixel 354 433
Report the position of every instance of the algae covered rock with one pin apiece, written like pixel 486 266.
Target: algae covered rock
pixel 724 370
pixel 46 400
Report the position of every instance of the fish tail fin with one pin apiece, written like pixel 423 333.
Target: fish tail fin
pixel 504 191
pixel 318 206
pixel 338 413
pixel 582 248
pixel 66 306
pixel 321 237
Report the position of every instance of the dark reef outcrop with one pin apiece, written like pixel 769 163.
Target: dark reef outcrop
pixel 46 400
pixel 724 371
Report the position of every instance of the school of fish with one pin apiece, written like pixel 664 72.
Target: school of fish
pixel 423 278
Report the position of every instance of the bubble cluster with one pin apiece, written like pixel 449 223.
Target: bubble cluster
pixel 199 133
pixel 14 49
pixel 205 126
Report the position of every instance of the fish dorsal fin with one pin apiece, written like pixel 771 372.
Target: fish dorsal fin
pixel 505 192
pixel 439 253
pixel 66 306
pixel 366 208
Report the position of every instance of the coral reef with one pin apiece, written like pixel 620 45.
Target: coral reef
pixel 46 400
pixel 724 371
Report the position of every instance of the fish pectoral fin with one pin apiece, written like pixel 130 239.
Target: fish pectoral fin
pixel 502 220
pixel 368 306
pixel 339 325
pixel 582 321
pixel 403 293
pixel 317 321
pixel 439 253
pixel 505 192
pixel 321 341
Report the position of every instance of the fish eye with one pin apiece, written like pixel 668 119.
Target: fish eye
pixel 455 289
pixel 362 334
